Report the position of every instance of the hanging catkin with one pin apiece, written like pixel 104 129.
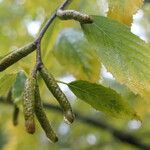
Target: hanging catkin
pixel 29 104
pixel 16 55
pixel 42 118
pixel 58 94
pixel 75 15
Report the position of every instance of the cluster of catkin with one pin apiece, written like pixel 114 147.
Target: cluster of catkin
pixel 32 104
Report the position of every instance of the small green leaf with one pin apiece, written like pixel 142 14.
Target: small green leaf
pixel 18 87
pixel 101 98
pixel 6 82
pixel 75 54
pixel 125 55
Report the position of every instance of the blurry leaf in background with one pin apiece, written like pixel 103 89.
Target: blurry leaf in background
pixel 49 38
pixel 18 86
pixel 6 82
pixel 91 7
pixel 13 33
pixel 3 139
pixel 102 98
pixel 125 55
pixel 77 56
pixel 123 10
pixel 145 20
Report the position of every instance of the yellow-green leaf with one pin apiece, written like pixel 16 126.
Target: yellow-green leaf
pixel 123 10
pixel 101 98
pixel 18 87
pixel 140 105
pixel 125 55
pixel 75 54
pixel 6 82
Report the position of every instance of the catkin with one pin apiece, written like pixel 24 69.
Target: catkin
pixel 15 115
pixel 58 94
pixel 75 15
pixel 42 118
pixel 16 55
pixel 29 104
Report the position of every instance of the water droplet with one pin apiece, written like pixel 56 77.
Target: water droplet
pixel 69 117
pixel 134 124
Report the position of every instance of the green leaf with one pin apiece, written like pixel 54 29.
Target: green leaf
pixel 140 105
pixel 101 98
pixel 125 55
pixel 119 88
pixel 6 82
pixel 18 87
pixel 48 40
pixel 75 54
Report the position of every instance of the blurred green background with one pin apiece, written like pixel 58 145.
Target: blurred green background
pixel 20 22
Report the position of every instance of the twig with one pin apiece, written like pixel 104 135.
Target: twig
pixel 61 82
pixel 51 19
pixel 100 124
pixel 18 54
pixel 39 62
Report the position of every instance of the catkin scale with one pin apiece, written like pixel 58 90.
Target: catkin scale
pixel 75 15
pixel 29 104
pixel 42 118
pixel 58 94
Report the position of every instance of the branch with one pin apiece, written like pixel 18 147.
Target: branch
pixel 18 54
pixel 51 19
pixel 99 124
pixel 39 62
